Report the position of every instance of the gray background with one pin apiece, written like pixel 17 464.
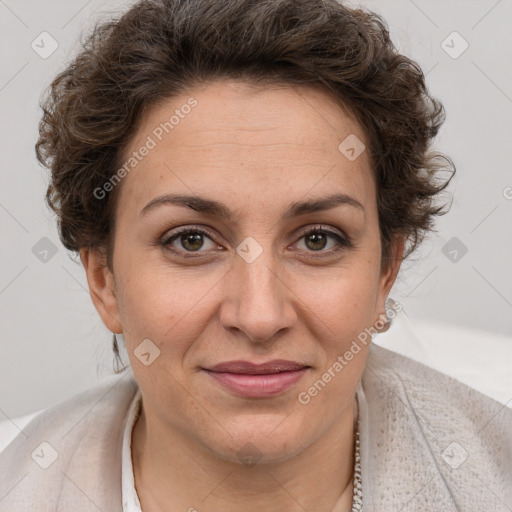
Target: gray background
pixel 53 343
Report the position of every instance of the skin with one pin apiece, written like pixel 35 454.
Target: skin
pixel 255 149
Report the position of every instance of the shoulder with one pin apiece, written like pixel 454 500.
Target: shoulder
pixel 111 386
pixel 423 385
pixel 74 446
pixel 111 393
pixel 437 427
pixel 437 399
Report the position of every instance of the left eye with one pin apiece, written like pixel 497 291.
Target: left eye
pixel 317 239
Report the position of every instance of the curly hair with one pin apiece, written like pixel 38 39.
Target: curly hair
pixel 160 48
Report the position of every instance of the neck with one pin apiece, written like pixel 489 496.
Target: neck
pixel 185 476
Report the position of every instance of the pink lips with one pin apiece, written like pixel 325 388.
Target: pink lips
pixel 258 380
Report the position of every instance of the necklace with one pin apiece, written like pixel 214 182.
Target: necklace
pixel 357 499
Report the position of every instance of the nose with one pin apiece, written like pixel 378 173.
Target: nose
pixel 258 300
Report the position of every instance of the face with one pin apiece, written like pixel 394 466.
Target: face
pixel 257 266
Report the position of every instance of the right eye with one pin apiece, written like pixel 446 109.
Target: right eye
pixel 189 240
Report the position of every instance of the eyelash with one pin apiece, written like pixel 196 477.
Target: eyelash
pixel 343 242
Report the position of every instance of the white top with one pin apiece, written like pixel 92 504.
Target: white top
pixel 130 499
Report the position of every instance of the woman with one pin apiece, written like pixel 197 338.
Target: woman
pixel 242 181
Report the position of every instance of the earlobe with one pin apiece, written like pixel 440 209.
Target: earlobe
pixel 390 272
pixel 388 277
pixel 101 288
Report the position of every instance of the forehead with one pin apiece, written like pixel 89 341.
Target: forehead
pixel 241 143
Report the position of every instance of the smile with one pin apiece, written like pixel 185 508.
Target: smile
pixel 258 381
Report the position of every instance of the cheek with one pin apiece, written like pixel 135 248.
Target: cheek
pixel 343 316
pixel 169 307
pixel 343 301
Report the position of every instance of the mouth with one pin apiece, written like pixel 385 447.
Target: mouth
pixel 253 380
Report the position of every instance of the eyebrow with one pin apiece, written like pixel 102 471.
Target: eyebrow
pixel 212 207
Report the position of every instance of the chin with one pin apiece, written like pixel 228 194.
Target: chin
pixel 255 440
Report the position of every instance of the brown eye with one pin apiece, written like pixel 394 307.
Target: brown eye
pixel 317 240
pixel 189 240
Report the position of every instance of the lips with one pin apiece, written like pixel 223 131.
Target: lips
pixel 257 380
pixel 275 366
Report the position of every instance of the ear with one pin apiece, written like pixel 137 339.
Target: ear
pixel 389 272
pixel 102 288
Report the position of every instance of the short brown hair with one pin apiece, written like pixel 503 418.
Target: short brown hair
pixel 158 48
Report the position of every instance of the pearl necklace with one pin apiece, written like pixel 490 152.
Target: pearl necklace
pixel 357 499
